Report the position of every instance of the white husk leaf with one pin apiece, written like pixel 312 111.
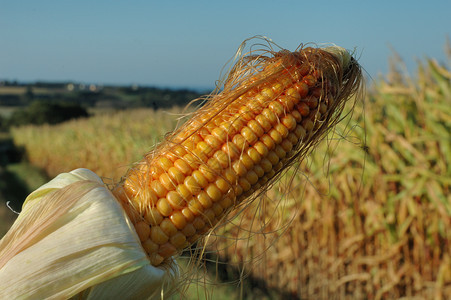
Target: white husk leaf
pixel 72 238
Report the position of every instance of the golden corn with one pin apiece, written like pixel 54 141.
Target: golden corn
pixel 235 145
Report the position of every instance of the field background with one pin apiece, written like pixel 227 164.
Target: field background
pixel 366 216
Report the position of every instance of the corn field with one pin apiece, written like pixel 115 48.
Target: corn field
pixel 373 223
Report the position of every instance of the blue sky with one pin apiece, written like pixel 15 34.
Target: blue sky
pixel 186 43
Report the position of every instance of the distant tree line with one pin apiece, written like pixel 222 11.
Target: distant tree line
pixel 44 112
pixel 120 97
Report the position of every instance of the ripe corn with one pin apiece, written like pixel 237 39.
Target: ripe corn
pixel 235 145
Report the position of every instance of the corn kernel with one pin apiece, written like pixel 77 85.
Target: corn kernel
pixel 164 208
pixel 158 236
pixel 178 219
pixel 168 227
pixel 143 230
pixel 175 200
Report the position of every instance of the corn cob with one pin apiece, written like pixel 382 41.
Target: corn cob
pixel 271 111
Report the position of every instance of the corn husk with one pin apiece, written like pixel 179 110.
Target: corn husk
pixel 73 239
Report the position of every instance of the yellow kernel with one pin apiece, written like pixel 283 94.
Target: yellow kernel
pixel 252 177
pixel 261 148
pixel 246 113
pixel 200 178
pixel 296 115
pixel 167 250
pixel 151 197
pixel 219 133
pixel 268 140
pixel 287 145
pixel 292 138
pixel 231 150
pixel 239 168
pixel 188 214
pixel 308 125
pixel 238 123
pixel 266 164
pixel 222 185
pixel 175 200
pixel 179 150
pixel 143 230
pixel 214 165
pixel 153 216
pixel 240 141
pixel 192 161
pixel 193 238
pixel 168 227
pixel 277 88
pixel 294 93
pixel 176 175
pixel 238 189
pixel 270 115
pixel 249 135
pixel 204 199
pixel 150 246
pixel 213 141
pixel 245 185
pixel 247 161
pixel 300 132
pixel 256 128
pixel 214 192
pixel 303 109
pixel 302 89
pixel 273 158
pixel 158 236
pixel 277 108
pixel 163 207
pixel 182 166
pixel 254 155
pixel 189 230
pixel 222 158
pixel 156 259
pixel 164 162
pixel 230 176
pixel 228 128
pixel 287 102
pixel 204 148
pixel 200 154
pixel 311 101
pixel 198 223
pixel 178 219
pixel 282 133
pixel 217 209
pixel 195 207
pixel 167 182
pixel 208 173
pixel 209 217
pixel 280 152
pixel 158 188
pixel 184 192
pixel 268 93
pixel 192 185
pixel 155 172
pixel 226 203
pixel 289 122
pixel 278 166
pixel 259 170
pixel 178 240
pixel 263 122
